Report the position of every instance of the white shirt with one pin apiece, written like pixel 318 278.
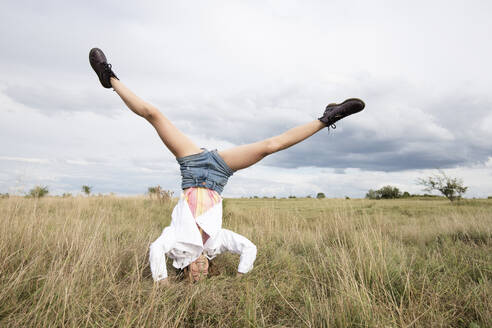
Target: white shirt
pixel 182 241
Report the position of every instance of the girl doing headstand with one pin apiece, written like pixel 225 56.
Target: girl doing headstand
pixel 195 234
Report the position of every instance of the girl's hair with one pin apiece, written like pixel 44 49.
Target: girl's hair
pixel 213 269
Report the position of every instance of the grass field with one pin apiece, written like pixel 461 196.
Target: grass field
pixel 77 262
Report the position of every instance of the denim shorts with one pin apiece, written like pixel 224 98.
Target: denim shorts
pixel 206 169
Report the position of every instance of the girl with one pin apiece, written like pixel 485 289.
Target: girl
pixel 195 234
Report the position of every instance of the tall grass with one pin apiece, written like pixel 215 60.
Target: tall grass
pixel 77 262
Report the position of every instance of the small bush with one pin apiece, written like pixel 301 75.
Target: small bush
pixel 386 192
pixel 389 192
pixel 160 194
pixel 320 195
pixel 372 194
pixel 86 189
pixel 38 192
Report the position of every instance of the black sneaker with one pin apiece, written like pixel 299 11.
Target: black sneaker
pixel 335 112
pixel 101 67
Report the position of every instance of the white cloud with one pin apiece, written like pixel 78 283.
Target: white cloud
pixel 26 160
pixel 79 162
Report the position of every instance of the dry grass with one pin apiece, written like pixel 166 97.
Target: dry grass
pixel 79 262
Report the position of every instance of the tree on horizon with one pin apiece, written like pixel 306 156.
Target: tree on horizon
pixel 87 189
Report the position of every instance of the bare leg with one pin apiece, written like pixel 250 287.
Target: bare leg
pixel 240 157
pixel 178 143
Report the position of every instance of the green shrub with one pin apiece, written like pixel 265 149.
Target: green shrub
pixel 38 192
pixel 386 192
pixel 87 189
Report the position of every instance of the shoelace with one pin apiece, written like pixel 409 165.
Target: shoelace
pixel 333 126
pixel 107 67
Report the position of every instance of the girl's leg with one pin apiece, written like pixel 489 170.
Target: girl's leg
pixel 240 157
pixel 178 143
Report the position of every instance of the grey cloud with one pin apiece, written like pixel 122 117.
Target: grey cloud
pixel 325 152
pixel 50 100
pixel 394 132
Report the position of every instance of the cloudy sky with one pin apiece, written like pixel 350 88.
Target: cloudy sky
pixel 233 72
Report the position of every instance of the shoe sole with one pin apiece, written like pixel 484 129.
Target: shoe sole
pixel 346 101
pixel 356 99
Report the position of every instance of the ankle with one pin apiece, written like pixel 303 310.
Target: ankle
pixel 113 81
pixel 320 125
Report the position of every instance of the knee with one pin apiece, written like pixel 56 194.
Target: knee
pixel 149 112
pixel 271 146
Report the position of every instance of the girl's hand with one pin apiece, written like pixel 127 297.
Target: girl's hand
pixel 163 283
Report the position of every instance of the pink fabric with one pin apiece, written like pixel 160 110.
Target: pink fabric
pixel 200 200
